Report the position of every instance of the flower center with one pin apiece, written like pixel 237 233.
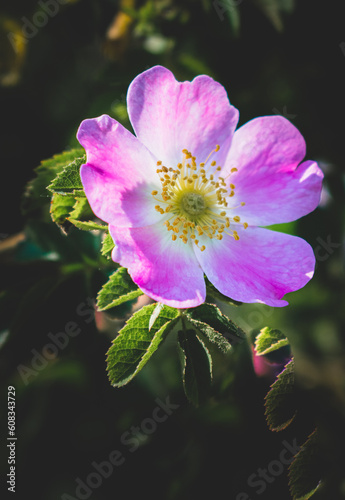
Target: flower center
pixel 195 200
pixel 193 204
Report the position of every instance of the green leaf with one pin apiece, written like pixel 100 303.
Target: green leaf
pixel 219 328
pixel 36 194
pixel 306 469
pixel 280 402
pixel 107 246
pixel 209 335
pixel 82 210
pixel 269 340
pixel 68 181
pixel 60 208
pixel 66 210
pixel 135 343
pixel 87 225
pixel 197 366
pixel 118 289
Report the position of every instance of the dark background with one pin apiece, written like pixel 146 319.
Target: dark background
pixel 288 60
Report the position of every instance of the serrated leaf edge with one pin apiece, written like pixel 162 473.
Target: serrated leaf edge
pixel 144 359
pixel 119 300
pixel 273 347
pixel 91 225
pixel 51 187
pixel 203 327
pixel 308 495
pixel 287 422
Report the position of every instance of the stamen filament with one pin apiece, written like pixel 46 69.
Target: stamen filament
pixel 195 200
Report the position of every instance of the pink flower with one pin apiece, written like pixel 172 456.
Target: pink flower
pixel 186 196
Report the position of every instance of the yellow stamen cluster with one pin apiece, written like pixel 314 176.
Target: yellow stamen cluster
pixel 197 198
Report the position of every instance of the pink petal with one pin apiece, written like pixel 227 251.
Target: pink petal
pixel 266 151
pixel 165 270
pixel 262 266
pixel 168 116
pixel 119 175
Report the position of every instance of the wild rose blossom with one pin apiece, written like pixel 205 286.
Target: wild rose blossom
pixel 187 195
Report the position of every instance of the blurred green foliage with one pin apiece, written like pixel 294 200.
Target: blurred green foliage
pixel 272 57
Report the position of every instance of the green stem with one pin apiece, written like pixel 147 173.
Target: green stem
pixel 74 267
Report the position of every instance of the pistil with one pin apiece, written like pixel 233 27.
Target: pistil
pixel 197 200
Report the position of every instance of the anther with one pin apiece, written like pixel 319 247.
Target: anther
pixel 180 184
